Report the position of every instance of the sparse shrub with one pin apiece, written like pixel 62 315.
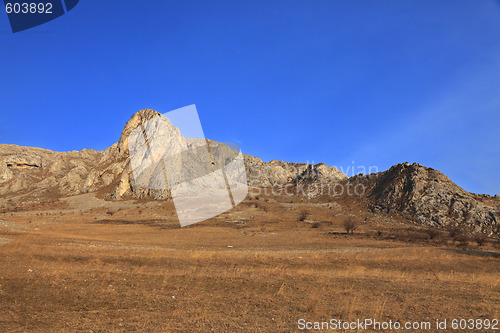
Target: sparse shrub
pixel 350 225
pixel 303 215
pixel 454 231
pixel 496 232
pixel 379 233
pixel 315 225
pixel 463 241
pixel 432 233
pixel 480 238
pixel 109 213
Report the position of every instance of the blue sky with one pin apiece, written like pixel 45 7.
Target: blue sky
pixel 363 83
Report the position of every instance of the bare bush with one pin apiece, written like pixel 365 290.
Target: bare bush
pixel 350 225
pixel 496 232
pixel 463 240
pixel 433 233
pixel 480 238
pixel 315 225
pixel 303 215
pixel 454 231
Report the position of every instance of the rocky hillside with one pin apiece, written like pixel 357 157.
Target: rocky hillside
pixel 38 172
pixel 34 174
pixel 427 197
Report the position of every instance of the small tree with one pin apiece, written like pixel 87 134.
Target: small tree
pixel 350 225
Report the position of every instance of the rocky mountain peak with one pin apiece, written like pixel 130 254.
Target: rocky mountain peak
pixel 136 120
pixel 428 197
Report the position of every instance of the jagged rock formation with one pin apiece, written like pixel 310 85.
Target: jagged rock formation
pixel 278 173
pixel 33 171
pixel 259 173
pixel 427 197
pixel 30 174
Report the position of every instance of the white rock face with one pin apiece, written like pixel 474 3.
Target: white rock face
pixel 35 173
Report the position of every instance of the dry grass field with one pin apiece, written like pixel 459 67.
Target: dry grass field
pixel 89 265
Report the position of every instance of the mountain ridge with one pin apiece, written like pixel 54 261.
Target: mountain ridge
pixel 420 194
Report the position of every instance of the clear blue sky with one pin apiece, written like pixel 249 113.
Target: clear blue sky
pixel 374 82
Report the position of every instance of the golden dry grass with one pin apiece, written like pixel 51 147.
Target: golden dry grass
pixel 133 269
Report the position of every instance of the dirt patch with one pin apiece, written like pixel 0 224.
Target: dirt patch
pixel 4 240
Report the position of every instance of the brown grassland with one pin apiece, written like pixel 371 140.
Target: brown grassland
pixel 85 264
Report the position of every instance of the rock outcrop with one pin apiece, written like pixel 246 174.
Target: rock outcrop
pixel 427 197
pixel 32 173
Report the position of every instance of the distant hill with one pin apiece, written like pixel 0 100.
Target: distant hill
pixel 426 196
